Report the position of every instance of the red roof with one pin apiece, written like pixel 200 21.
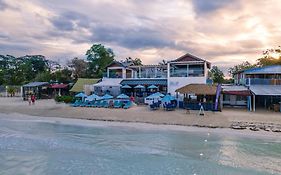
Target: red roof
pixel 59 86
pixel 241 93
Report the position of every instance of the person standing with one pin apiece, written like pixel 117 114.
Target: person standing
pixel 33 99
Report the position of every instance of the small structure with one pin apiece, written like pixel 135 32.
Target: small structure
pixel 80 84
pixel 39 89
pixel 236 96
pixel 196 95
pixel 59 89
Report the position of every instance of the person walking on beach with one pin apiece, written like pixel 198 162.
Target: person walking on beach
pixel 33 99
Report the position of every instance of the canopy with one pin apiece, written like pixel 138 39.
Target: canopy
pixel 123 96
pixel 126 87
pixel 152 87
pixel 270 90
pixel 93 97
pixel 81 94
pixel 81 82
pixel 198 89
pixel 36 84
pixel 106 96
pixel 139 87
pixel 58 86
pixel 168 98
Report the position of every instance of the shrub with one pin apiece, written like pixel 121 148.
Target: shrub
pixel 65 99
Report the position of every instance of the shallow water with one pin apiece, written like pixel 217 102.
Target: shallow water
pixel 39 147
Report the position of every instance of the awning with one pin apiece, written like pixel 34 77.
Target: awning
pixel 81 82
pixel 240 93
pixel 236 90
pixel 59 86
pixel 133 82
pixel 267 90
pixel 36 84
pixel 198 89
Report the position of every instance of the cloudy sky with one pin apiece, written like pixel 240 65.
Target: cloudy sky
pixel 225 32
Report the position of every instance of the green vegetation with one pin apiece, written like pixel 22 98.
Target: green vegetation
pixel 216 75
pixel 65 99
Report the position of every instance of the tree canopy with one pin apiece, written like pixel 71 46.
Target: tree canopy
pixel 216 75
pixel 98 57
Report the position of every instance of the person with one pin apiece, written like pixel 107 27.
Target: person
pixel 33 99
pixel 132 98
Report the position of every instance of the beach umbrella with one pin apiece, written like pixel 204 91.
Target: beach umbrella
pixel 152 87
pixel 126 87
pixel 123 96
pixel 139 87
pixel 81 94
pixel 156 95
pixel 93 97
pixel 167 98
pixel 159 94
pixel 106 97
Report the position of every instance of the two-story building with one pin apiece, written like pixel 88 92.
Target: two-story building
pixel 264 83
pixel 166 78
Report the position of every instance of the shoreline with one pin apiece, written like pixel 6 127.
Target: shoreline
pixel 233 119
pixel 141 125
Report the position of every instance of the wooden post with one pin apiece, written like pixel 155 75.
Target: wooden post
pixel 254 102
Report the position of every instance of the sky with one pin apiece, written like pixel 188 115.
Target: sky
pixel 224 32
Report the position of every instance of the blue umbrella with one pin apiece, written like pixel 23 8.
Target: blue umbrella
pixel 139 87
pixel 156 95
pixel 167 98
pixel 93 97
pixel 81 94
pixel 152 87
pixel 126 87
pixel 106 96
pixel 123 96
pixel 159 94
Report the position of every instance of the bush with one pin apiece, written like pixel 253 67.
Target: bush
pixel 65 99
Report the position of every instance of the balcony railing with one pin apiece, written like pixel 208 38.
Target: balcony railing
pixel 261 81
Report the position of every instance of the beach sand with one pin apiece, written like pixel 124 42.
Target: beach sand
pixel 140 114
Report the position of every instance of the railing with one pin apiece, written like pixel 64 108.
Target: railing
pixel 261 81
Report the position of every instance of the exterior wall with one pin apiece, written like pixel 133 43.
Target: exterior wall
pixel 177 82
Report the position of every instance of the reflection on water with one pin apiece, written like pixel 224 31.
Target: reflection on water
pixel 28 147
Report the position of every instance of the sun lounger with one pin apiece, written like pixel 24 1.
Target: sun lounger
pixel 76 103
pixel 118 104
pixel 105 104
pixel 155 106
pixel 97 104
pixel 128 105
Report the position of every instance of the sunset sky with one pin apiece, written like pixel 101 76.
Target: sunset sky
pixel 225 32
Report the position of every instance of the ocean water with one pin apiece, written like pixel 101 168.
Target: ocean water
pixel 38 147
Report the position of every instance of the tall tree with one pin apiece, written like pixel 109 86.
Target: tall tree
pixel 270 57
pixel 216 75
pixel 240 67
pixel 79 67
pixel 99 57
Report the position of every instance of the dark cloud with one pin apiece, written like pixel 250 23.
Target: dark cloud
pixel 131 37
pixel 3 5
pixel 69 20
pixel 207 6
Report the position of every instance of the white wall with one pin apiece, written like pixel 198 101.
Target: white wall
pixel 175 83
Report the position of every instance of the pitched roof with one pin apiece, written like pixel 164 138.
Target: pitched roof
pixel 271 90
pixel 198 89
pixel 274 69
pixel 81 82
pixel 190 57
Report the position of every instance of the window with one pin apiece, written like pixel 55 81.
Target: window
pixel 196 70
pixel 178 71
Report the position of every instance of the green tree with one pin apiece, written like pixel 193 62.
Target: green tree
pixel 240 67
pixel 63 76
pixel 99 57
pixel 216 75
pixel 44 76
pixel 133 61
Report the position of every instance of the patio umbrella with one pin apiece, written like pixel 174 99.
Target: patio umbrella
pixel 81 94
pixel 126 87
pixel 159 94
pixel 167 98
pixel 93 97
pixel 152 87
pixel 106 97
pixel 139 87
pixel 123 96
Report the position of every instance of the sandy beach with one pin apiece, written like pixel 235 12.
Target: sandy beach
pixel 142 114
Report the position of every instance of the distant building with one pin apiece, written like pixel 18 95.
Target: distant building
pixel 264 85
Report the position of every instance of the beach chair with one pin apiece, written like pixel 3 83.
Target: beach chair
pixel 102 104
pixel 76 103
pixel 128 105
pixel 89 104
pixel 105 104
pixel 84 104
pixel 118 104
pixel 96 104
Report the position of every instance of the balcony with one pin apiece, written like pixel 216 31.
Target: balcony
pixel 260 81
